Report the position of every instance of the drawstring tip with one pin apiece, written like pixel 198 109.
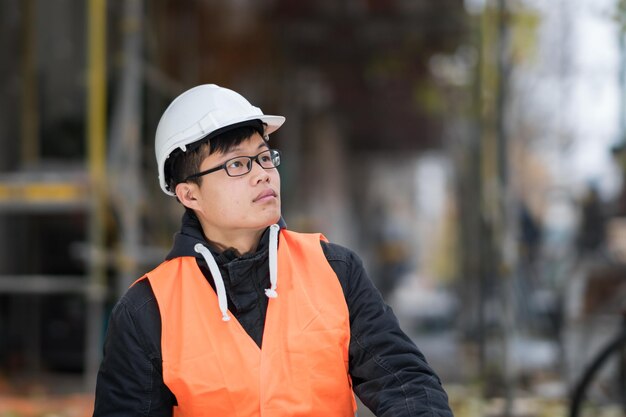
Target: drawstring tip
pixel 225 317
pixel 271 293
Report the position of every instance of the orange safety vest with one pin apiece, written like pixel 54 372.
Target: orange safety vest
pixel 214 368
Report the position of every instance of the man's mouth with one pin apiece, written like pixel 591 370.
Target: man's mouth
pixel 265 195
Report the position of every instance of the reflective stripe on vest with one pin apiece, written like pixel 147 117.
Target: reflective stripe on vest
pixel 214 368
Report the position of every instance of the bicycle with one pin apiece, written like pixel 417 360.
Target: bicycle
pixel 598 391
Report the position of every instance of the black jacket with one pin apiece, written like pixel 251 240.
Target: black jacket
pixel 389 374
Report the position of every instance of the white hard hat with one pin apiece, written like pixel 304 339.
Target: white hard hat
pixel 197 113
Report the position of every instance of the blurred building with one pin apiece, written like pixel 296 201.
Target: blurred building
pixel 354 79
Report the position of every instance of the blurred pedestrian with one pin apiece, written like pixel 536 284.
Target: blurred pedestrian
pixel 244 317
pixel 592 231
pixel 530 235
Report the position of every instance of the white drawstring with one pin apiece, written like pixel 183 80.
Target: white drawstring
pixel 219 281
pixel 217 278
pixel 273 251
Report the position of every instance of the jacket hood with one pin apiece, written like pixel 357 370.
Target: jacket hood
pixel 191 234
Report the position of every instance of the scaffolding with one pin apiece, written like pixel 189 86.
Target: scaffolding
pixel 38 188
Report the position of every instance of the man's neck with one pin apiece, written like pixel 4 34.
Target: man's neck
pixel 242 241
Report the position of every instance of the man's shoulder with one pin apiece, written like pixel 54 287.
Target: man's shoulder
pixel 138 296
pixel 338 253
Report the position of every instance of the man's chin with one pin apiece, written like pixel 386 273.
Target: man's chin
pixel 272 218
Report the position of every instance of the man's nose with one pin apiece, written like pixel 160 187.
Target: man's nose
pixel 259 174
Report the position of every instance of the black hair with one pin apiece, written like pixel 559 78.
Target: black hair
pixel 180 165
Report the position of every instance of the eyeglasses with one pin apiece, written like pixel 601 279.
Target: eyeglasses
pixel 241 165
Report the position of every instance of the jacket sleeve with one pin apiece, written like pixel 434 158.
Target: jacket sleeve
pixel 389 373
pixel 130 381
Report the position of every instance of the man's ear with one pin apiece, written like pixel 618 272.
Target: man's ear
pixel 187 194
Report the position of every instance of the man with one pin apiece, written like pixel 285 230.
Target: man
pixel 246 318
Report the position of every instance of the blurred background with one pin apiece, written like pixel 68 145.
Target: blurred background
pixel 471 151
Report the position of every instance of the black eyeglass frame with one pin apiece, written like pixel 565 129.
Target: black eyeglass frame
pixel 272 152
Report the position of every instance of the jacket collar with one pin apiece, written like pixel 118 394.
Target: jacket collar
pixel 191 233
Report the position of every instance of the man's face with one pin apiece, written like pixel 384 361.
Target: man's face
pixel 226 204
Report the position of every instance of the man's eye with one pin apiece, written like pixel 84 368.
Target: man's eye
pixel 236 164
pixel 265 158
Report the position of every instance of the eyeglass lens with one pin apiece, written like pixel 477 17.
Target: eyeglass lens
pixel 243 164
